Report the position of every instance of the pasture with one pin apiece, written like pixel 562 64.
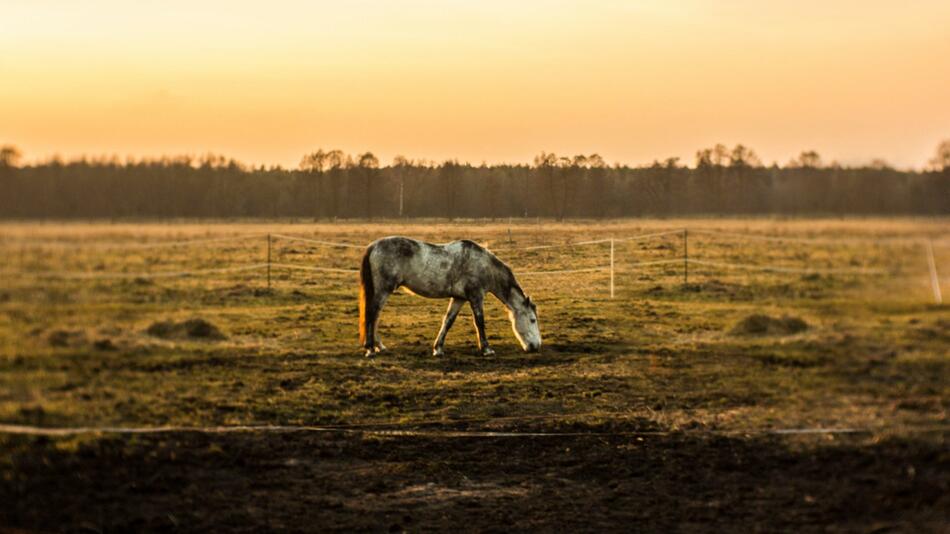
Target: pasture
pixel 673 405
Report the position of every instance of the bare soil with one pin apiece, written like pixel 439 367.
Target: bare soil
pixel 345 482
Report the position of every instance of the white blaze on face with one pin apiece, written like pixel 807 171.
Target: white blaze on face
pixel 524 324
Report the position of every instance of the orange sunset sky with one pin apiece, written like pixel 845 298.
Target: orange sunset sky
pixel 481 80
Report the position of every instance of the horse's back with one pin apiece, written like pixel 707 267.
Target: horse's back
pixel 427 269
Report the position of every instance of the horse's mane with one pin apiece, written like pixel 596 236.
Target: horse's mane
pixel 507 279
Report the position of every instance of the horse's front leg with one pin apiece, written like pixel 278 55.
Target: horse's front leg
pixel 478 315
pixel 454 306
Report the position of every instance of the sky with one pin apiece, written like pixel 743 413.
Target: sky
pixel 481 81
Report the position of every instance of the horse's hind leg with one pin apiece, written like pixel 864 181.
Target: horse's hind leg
pixel 377 339
pixel 454 306
pixel 375 309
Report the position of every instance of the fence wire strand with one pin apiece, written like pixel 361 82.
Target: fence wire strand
pixel 781 269
pixel 560 245
pixel 406 431
pixel 93 275
pixel 312 268
pixel 814 240
pixel 641 237
pixel 132 246
pixel 563 271
pixel 317 241
pixel 690 261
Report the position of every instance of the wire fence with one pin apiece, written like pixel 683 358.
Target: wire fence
pixel 95 275
pixel 608 264
pixel 317 241
pixel 779 269
pixel 119 245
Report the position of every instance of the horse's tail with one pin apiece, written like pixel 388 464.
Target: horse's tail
pixel 366 296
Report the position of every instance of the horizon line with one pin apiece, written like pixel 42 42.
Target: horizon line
pixel 197 156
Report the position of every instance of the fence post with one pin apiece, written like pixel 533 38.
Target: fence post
pixel 932 264
pixel 402 183
pixel 268 261
pixel 611 267
pixel 685 258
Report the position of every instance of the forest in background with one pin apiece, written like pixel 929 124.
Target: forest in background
pixel 332 185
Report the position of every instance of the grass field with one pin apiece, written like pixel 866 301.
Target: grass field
pixel 667 391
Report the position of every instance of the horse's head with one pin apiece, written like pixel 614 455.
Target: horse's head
pixel 524 323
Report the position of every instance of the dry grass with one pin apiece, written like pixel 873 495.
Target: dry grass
pixel 658 352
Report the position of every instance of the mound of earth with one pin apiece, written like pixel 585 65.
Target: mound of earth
pixel 66 338
pixel 939 330
pixel 764 325
pixel 104 344
pixel 195 328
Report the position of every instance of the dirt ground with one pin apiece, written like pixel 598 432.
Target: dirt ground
pixel 336 482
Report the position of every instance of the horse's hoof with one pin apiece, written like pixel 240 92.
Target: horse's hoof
pixel 488 351
pixel 380 347
pixel 438 353
pixel 369 353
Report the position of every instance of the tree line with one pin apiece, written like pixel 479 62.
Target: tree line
pixel 332 185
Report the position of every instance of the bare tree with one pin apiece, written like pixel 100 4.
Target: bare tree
pixel 808 159
pixel 742 156
pixel 336 159
pixel 368 164
pixel 401 165
pixel 493 187
pixel 880 164
pixel 449 174
pixel 598 191
pixel 314 162
pixel 10 156
pixel 546 165
pixel 336 164
pixel 941 161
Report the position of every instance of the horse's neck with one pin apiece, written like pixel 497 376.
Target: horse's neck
pixel 508 292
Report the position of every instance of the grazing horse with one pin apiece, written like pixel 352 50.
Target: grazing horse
pixel 461 270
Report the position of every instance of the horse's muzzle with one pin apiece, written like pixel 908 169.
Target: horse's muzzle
pixel 533 347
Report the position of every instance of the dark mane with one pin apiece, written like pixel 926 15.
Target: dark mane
pixel 507 282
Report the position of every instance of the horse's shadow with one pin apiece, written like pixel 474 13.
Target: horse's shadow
pixel 507 357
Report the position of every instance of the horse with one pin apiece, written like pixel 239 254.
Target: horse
pixel 462 271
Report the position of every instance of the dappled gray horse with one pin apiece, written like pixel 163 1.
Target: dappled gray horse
pixel 461 270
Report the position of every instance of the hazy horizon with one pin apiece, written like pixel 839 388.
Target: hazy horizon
pixel 196 158
pixel 486 81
